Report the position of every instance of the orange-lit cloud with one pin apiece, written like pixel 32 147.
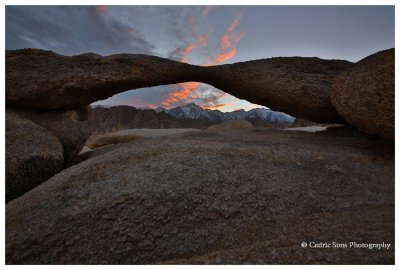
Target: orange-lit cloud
pixel 228 44
pixel 214 107
pixel 184 91
pixel 189 48
pixel 188 90
pixel 225 56
pixel 233 25
pixel 230 40
pixel 198 41
pixel 227 50
pixel 207 10
pixel 101 9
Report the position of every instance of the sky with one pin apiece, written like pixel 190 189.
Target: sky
pixel 201 35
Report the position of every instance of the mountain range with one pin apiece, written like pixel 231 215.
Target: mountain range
pixel 193 111
pixel 106 119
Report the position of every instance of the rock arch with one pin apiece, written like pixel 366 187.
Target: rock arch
pixel 299 86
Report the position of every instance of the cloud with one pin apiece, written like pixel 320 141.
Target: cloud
pixel 228 43
pixel 207 10
pixel 72 30
pixel 210 97
pixel 189 92
pixel 101 9
pixel 139 97
pixel 180 33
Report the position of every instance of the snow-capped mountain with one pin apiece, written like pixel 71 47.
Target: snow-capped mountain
pixel 160 109
pixel 143 108
pixel 193 111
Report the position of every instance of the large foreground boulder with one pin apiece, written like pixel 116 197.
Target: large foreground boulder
pixel 71 127
pixel 364 94
pixel 299 86
pixel 33 154
pixel 245 197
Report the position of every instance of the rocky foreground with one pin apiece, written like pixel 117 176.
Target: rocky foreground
pixel 230 194
pixel 232 197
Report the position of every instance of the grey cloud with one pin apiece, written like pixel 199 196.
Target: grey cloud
pixel 71 30
pixel 332 32
pixel 179 27
pixel 151 95
pixel 209 96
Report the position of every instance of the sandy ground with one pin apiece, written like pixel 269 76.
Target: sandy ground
pixel 122 136
pixel 152 133
pixel 307 129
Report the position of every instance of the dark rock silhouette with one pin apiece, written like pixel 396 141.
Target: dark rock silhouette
pixel 299 122
pixel 244 195
pixel 364 94
pixel 33 154
pixel 71 127
pixel 295 85
pixel 46 80
pixel 299 86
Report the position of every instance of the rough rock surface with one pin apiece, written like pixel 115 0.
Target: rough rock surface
pixel 245 197
pixel 232 125
pixel 96 141
pixel 294 85
pixel 100 144
pixel 303 123
pixel 364 94
pixel 127 135
pixel 33 154
pixel 299 86
pixel 43 79
pixel 71 127
pixel 284 246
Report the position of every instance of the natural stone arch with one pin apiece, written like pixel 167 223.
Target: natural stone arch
pixel 295 85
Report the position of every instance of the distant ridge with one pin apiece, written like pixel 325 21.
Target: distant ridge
pixel 195 112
